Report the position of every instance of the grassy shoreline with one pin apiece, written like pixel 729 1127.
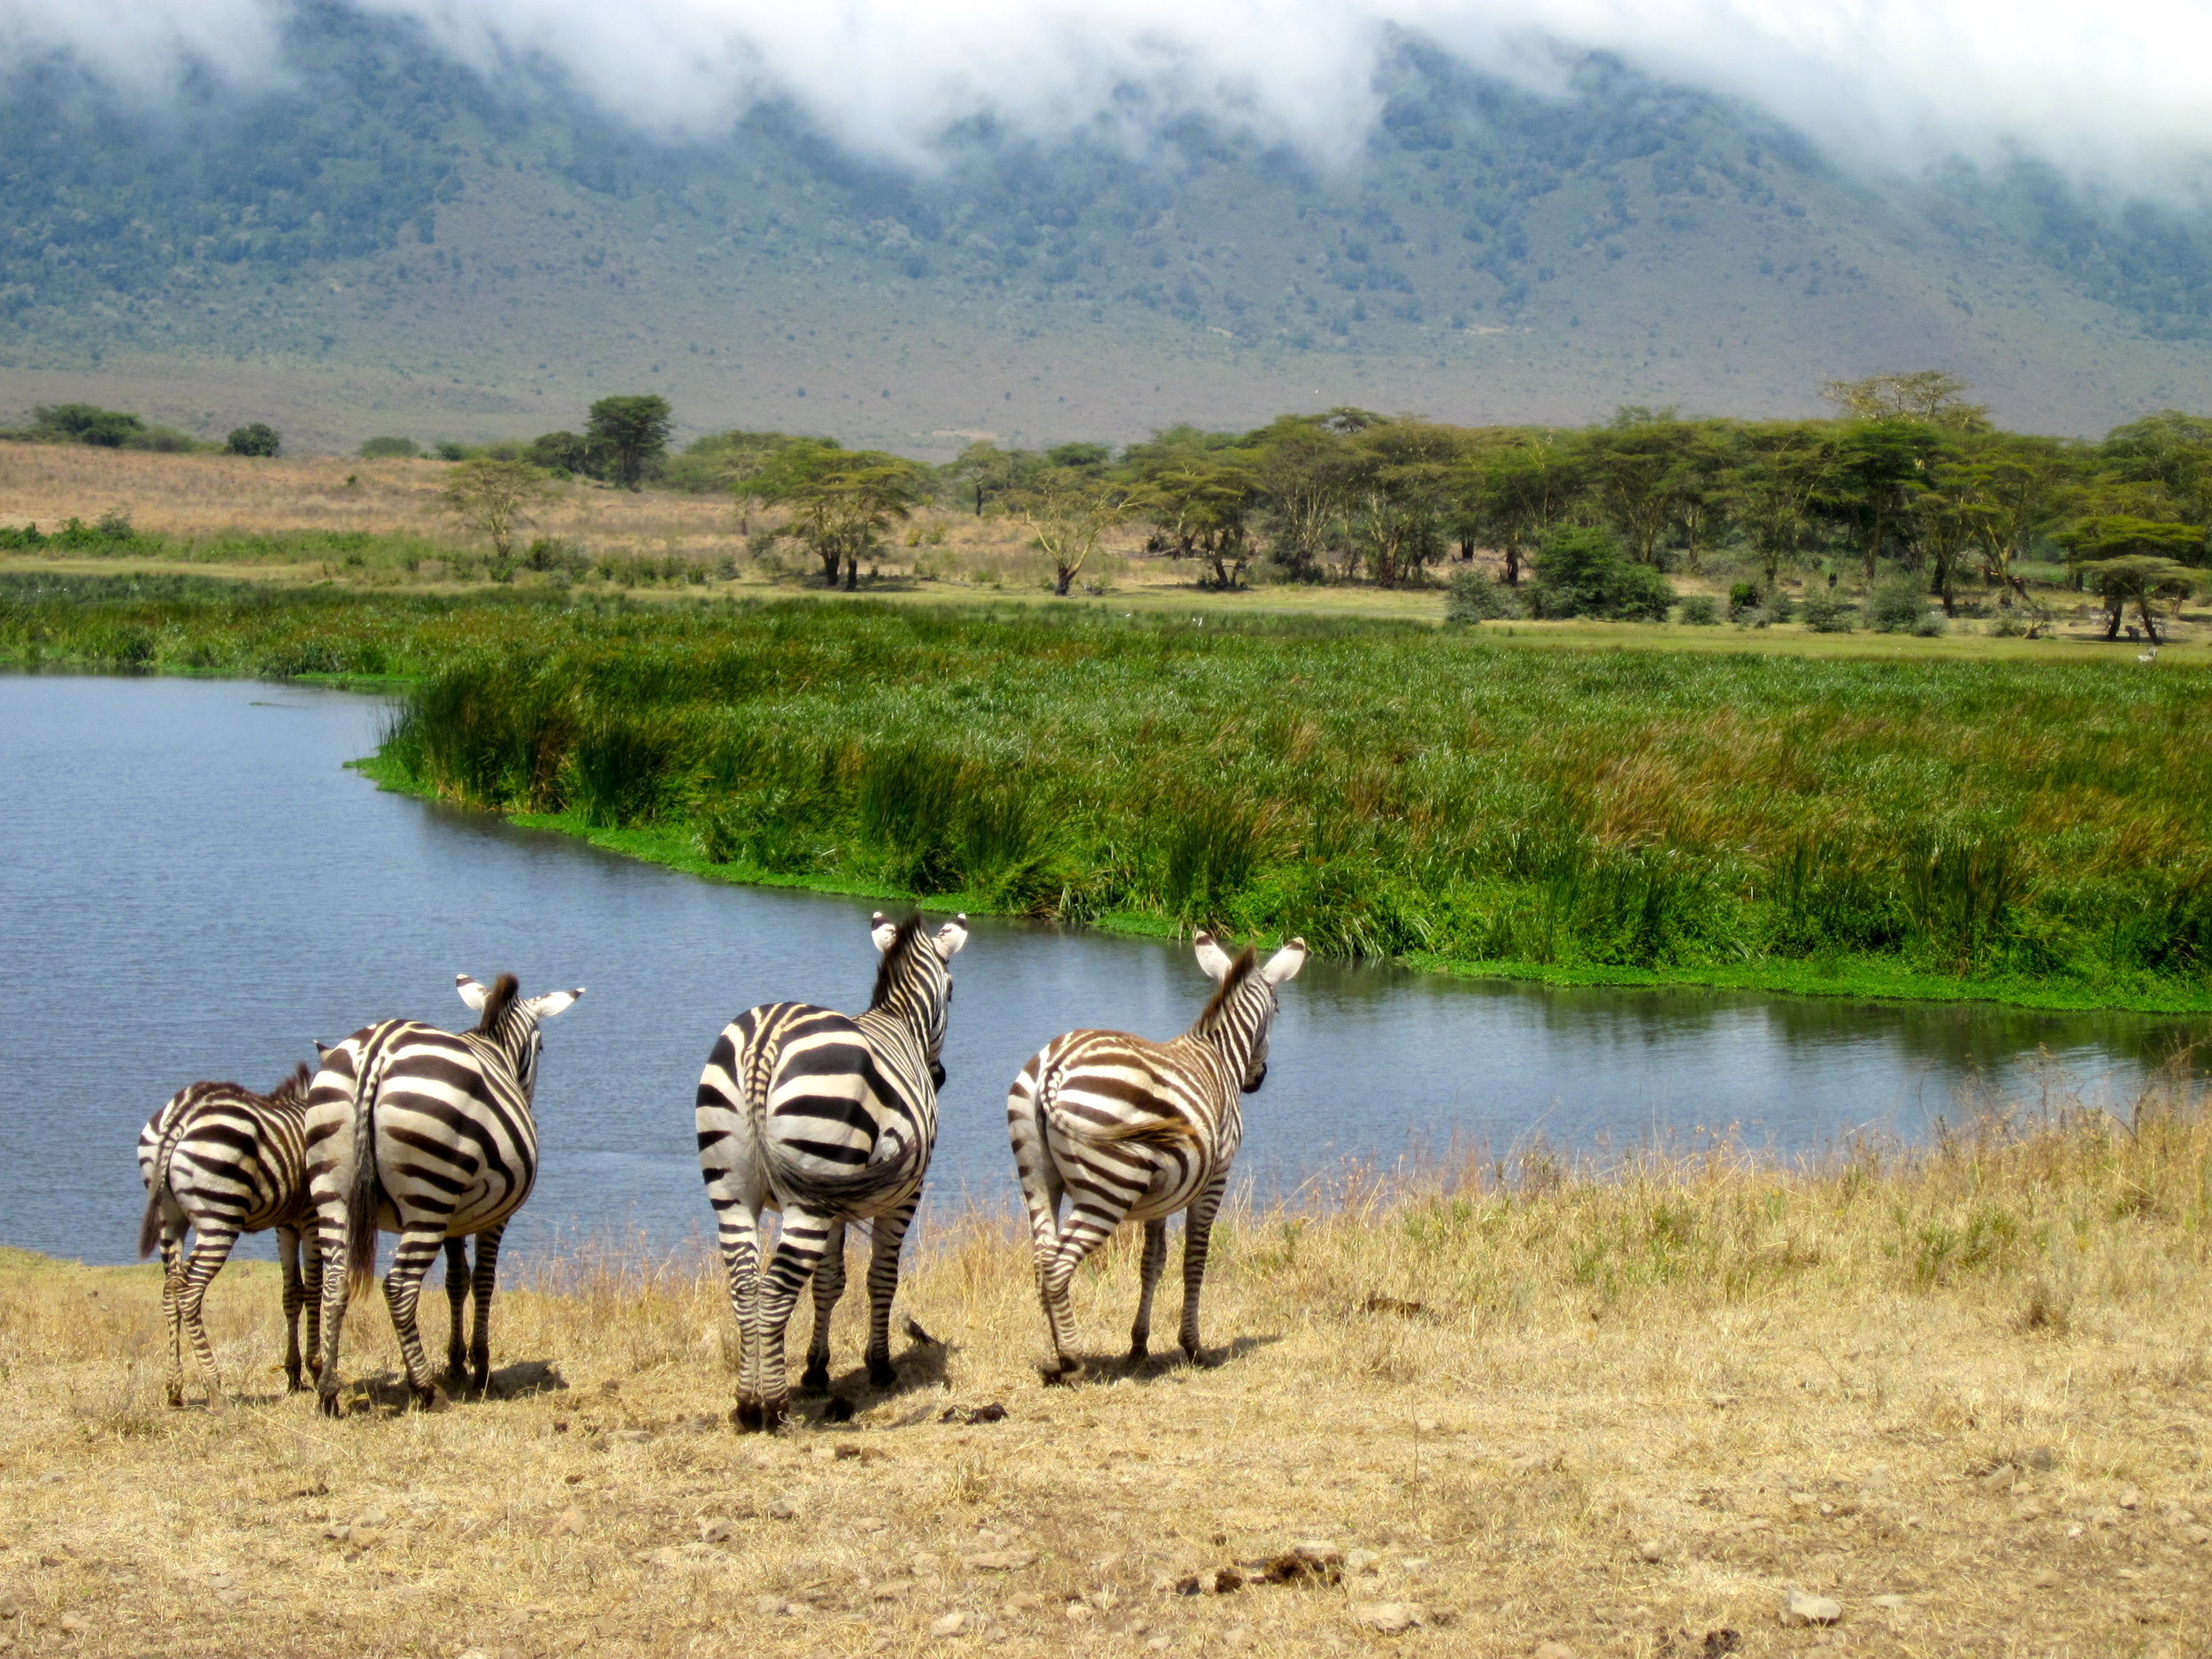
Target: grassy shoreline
pixel 1959 1389
pixel 2006 831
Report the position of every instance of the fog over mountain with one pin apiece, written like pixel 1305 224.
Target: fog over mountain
pixel 466 214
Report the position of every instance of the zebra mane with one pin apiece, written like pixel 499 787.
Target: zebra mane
pixel 1240 970
pixel 292 1087
pixel 894 959
pixel 497 1001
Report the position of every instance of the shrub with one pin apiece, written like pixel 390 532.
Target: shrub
pixel 1477 597
pixel 1895 606
pixel 1743 597
pixel 1582 571
pixel 1699 610
pixel 256 437
pixel 389 448
pixel 1778 607
pixel 1827 612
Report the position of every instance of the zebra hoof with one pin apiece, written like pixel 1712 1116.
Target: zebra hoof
pixel 839 1410
pixel 1197 1356
pixel 1140 1350
pixel 882 1373
pixel 176 1399
pixel 746 1418
pixel 774 1414
pixel 1061 1373
pixel 430 1399
pixel 814 1381
pixel 327 1405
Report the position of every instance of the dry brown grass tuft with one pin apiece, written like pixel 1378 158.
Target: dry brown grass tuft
pixel 1622 1413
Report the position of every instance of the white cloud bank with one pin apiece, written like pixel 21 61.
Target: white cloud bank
pixel 2121 95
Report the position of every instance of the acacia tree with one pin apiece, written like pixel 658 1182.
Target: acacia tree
pixel 629 433
pixel 840 501
pixel 1068 513
pixel 494 497
pixel 2131 561
pixel 1526 489
pixel 1786 469
pixel 1934 397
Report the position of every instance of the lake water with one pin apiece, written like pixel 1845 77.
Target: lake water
pixel 191 885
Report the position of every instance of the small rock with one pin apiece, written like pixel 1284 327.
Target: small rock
pixel 1388 1617
pixel 770 1606
pixel 1719 1403
pixel 75 1624
pixel 950 1624
pixel 991 1413
pixel 2043 1458
pixel 2000 1478
pixel 1802 1608
pixel 1361 1561
pixel 2199 1535
pixel 1553 1650
pixel 1652 1550
pixel 869 1523
pixel 373 1518
pixel 569 1522
pixel 1803 1500
pixel 714 1530
pixel 1893 1604
pixel 1078 1613
pixel 999 1560
pixel 474 1653
pixel 1236 1635
pixel 782 1509
pixel 1535 1462
pixel 1427 1426
pixel 2131 1499
pixel 1025 1603
pixel 633 1437
pixel 1319 1551
pixel 894 1590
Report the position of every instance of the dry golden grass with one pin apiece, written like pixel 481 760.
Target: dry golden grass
pixel 1623 1416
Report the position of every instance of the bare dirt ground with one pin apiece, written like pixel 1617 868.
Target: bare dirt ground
pixel 1964 1400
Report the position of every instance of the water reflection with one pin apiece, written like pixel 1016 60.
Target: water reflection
pixel 191 885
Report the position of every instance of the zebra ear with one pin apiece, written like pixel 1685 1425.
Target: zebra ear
pixel 952 935
pixel 553 1002
pixel 1283 966
pixel 883 930
pixel 470 991
pixel 1211 956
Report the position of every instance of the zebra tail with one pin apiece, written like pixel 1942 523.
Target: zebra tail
pixel 1144 1132
pixel 150 1225
pixel 361 1202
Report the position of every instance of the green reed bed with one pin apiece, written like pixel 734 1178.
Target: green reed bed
pixel 2035 832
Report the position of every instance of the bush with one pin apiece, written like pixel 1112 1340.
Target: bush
pixel 255 438
pixel 1778 607
pixel 1581 572
pixel 1743 597
pixel 1896 605
pixel 1477 597
pixel 1827 612
pixel 389 448
pixel 1699 610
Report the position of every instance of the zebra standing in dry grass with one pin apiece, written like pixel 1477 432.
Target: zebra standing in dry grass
pixel 830 1118
pixel 219 1160
pixel 1126 1129
pixel 427 1133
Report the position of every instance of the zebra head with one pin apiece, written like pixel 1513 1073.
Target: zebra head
pixel 509 1020
pixel 914 980
pixel 1241 1015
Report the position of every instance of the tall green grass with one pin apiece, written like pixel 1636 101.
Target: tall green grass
pixel 1384 790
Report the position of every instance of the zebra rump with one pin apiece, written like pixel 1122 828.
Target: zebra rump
pixel 293 1089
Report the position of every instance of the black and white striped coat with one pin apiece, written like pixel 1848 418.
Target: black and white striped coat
pixel 218 1160
pixel 1122 1128
pixel 427 1133
pixel 830 1118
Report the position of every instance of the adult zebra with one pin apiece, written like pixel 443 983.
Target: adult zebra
pixel 830 1118
pixel 427 1133
pixel 1126 1129
pixel 218 1160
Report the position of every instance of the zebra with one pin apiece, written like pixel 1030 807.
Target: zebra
pixel 829 1118
pixel 221 1160
pixel 1128 1129
pixel 428 1134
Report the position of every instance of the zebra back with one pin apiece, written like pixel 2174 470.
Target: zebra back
pixel 252 1144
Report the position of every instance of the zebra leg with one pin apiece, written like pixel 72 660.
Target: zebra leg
pixel 457 1295
pixel 1091 1221
pixel 417 1248
pixel 1198 1225
pixel 172 1246
pixel 289 1254
pixel 1155 1259
pixel 331 1229
pixel 829 1284
pixel 487 1276
pixel 312 1293
pixel 210 1250
pixel 737 1229
pixel 883 1287
pixel 799 1245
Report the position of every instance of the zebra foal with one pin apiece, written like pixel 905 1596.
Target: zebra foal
pixel 218 1160
pixel 831 1119
pixel 1121 1128
pixel 427 1133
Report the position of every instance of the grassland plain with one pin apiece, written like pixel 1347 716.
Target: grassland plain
pixel 2016 830
pixel 1965 1391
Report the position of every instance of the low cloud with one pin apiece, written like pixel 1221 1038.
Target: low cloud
pixel 2114 96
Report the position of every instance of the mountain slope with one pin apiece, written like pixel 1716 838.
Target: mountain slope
pixel 390 243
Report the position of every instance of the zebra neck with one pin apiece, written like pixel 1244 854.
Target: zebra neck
pixel 1232 1032
pixel 507 1043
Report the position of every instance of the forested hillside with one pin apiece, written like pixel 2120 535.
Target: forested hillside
pixel 387 237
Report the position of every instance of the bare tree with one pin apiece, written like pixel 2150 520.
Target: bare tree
pixel 493 498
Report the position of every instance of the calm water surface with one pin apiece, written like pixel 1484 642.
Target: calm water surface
pixel 192 886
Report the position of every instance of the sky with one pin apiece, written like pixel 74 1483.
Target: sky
pixel 2115 96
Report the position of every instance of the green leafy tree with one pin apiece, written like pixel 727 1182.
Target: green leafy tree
pixel 1881 467
pixel 1069 512
pixel 1203 503
pixel 2172 452
pixel 255 438
pixel 840 501
pixel 2133 561
pixel 389 448
pixel 86 422
pixel 1303 470
pixel 566 454
pixel 1582 571
pixel 1785 468
pixel 629 433
pixel 1526 487
pixel 493 498
pixel 1933 397
pixel 1403 479
pixel 2022 485
pixel 990 471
